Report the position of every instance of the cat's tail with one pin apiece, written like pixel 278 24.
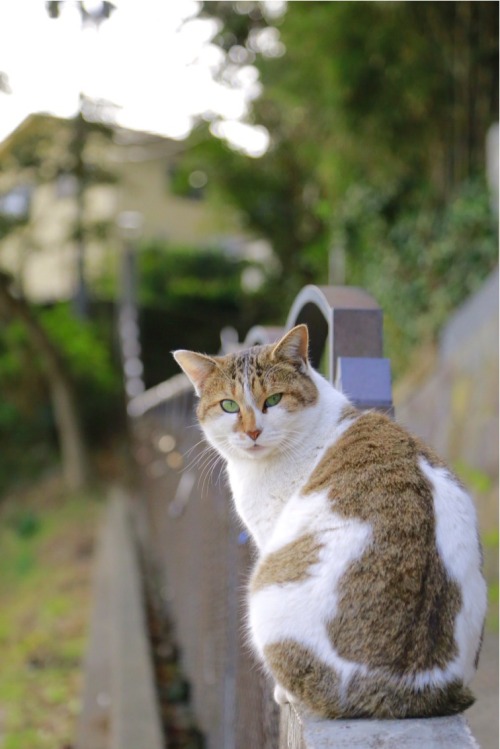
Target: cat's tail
pixel 383 697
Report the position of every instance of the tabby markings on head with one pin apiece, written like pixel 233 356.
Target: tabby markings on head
pixel 254 373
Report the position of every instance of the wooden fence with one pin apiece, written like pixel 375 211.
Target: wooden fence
pixel 201 556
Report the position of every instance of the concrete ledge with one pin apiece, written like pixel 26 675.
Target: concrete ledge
pixel 93 728
pixel 299 731
pixel 134 709
pixel 120 708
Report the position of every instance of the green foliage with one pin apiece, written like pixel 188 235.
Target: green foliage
pixel 27 430
pixel 400 91
pixel 83 346
pixel 87 348
pixel 46 149
pixel 8 224
pixel 276 198
pixel 186 297
pixel 490 539
pixel 25 522
pixel 172 276
pixel 429 258
pixel 377 123
pixel 493 598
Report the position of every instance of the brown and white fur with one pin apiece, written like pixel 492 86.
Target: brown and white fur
pixel 367 599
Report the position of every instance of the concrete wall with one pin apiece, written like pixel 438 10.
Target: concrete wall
pixel 455 408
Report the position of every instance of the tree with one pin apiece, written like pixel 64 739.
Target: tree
pixel 377 115
pixel 46 151
pixel 72 443
pixel 86 174
pixel 401 89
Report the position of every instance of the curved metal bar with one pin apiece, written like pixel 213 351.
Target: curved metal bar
pixel 155 396
pixel 261 334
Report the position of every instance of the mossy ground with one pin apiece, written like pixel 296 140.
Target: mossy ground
pixel 46 549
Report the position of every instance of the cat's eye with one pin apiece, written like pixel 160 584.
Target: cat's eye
pixel 229 406
pixel 273 400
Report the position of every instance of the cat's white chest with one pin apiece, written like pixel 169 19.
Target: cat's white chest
pixel 259 496
pixel 261 489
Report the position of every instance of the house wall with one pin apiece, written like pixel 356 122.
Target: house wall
pixel 42 254
pixel 144 187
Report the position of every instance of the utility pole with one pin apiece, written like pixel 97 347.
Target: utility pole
pixel 130 229
pixel 92 13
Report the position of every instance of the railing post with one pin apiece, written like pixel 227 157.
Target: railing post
pixel 345 332
pixel 348 316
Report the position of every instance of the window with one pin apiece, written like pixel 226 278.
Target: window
pixel 16 203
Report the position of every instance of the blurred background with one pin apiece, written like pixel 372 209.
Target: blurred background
pixel 170 170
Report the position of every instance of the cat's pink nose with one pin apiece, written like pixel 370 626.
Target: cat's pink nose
pixel 253 435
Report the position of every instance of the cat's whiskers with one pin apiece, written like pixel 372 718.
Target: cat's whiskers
pixel 203 460
pixel 231 448
pixel 206 457
pixel 193 447
pixel 290 450
pixel 208 470
pixel 218 463
pixel 194 425
pixel 291 441
pixel 198 457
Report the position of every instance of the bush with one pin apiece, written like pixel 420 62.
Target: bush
pixel 27 431
pixel 419 259
pixel 186 297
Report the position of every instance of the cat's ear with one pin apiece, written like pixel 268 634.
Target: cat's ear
pixel 294 345
pixel 197 367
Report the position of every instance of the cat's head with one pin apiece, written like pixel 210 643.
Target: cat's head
pixel 252 403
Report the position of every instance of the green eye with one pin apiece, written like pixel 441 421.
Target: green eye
pixel 229 406
pixel 273 400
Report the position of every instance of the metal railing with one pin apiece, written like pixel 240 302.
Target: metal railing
pixel 201 558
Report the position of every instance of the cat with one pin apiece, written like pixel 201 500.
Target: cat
pixel 367 599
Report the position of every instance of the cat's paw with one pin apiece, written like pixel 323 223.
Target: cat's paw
pixel 281 696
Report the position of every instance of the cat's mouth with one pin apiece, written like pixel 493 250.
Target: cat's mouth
pixel 255 449
pixel 251 450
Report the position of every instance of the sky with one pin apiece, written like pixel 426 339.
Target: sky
pixel 153 59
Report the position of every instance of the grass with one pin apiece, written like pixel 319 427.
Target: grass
pixel 46 546
pixel 490 548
